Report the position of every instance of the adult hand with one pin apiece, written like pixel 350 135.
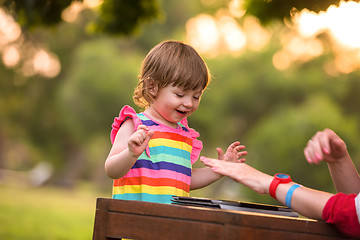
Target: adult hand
pixel 325 146
pixel 242 173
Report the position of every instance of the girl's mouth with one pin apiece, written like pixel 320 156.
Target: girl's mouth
pixel 181 112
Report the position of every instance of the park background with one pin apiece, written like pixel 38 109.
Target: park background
pixel 280 73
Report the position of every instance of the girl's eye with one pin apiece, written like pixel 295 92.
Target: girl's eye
pixel 197 98
pixel 179 95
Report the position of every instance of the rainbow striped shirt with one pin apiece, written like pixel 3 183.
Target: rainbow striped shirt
pixel 164 169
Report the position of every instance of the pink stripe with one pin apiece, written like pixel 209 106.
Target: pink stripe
pixel 138 172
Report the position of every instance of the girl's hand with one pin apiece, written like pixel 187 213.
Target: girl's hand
pixel 139 140
pixel 234 153
pixel 325 146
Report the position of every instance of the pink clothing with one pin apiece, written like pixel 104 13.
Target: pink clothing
pixel 341 211
pixel 163 170
pixel 129 112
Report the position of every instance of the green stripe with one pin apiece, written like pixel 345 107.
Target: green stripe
pixel 163 157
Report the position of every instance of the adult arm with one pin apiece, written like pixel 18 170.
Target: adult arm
pixel 302 199
pixel 341 209
pixel 327 146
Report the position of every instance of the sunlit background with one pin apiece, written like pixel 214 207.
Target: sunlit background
pixel 223 34
pixel 273 87
pixel 219 34
pixel 226 32
pixel 34 59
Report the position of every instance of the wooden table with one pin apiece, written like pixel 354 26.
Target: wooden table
pixel 116 219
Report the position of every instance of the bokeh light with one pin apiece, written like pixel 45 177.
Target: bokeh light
pixel 10 30
pixel 340 23
pixel 230 32
pixel 203 34
pixel 92 3
pixel 257 36
pixel 236 9
pixel 11 56
pixel 17 52
pixel 46 64
pixel 70 14
pixel 223 34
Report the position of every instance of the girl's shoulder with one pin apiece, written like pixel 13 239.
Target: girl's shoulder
pixel 193 134
pixel 126 113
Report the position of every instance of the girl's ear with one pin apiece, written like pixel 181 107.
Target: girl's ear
pixel 152 86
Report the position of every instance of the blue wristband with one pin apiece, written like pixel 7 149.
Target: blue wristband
pixel 289 194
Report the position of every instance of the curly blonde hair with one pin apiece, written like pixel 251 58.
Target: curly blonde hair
pixel 170 62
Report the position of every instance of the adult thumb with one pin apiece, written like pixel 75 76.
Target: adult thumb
pixel 338 146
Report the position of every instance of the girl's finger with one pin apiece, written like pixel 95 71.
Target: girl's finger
pixel 220 153
pixel 241 154
pixel 144 127
pixel 233 145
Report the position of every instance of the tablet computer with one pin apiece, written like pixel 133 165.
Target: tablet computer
pixel 235 205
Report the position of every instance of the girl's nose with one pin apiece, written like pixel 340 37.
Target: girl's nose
pixel 188 102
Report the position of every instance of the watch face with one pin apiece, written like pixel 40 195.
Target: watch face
pixel 282 176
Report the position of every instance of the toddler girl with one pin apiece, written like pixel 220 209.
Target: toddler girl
pixel 153 151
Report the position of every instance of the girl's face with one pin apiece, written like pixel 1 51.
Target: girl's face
pixel 172 104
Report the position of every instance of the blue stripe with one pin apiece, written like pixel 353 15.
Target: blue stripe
pixel 144 197
pixel 170 151
pixel 146 121
pixel 141 163
pixel 149 123
pixel 185 129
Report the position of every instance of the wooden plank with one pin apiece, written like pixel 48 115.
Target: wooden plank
pixel 100 224
pixel 144 220
pixel 101 216
pixel 239 232
pixel 165 210
pixel 291 235
pixel 220 216
pixel 249 233
pixel 279 223
pixel 150 227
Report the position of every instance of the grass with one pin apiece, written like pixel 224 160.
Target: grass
pixel 46 213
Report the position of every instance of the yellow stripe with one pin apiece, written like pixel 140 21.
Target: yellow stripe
pixel 170 143
pixel 149 189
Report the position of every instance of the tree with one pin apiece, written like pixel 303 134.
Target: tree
pixel 124 17
pixel 114 16
pixel 30 14
pixel 268 11
pixel 66 120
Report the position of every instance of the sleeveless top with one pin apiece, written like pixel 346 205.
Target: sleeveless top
pixel 164 168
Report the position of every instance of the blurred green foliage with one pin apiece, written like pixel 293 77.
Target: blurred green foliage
pixel 30 14
pixel 124 17
pixel 113 16
pixel 67 120
pixel 274 114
